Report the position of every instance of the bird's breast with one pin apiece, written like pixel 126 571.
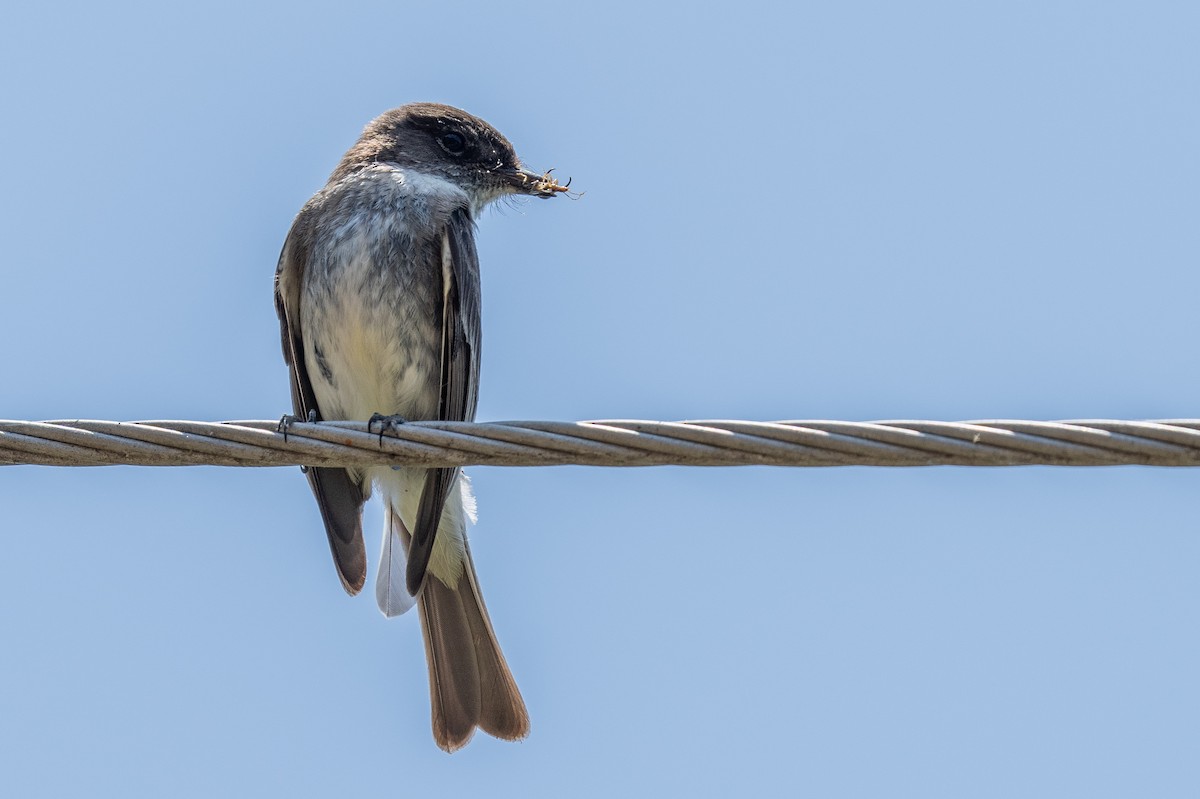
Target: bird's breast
pixel 371 306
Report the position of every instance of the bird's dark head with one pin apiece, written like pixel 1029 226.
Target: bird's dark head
pixel 449 143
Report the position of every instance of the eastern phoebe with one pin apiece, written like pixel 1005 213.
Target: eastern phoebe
pixel 377 292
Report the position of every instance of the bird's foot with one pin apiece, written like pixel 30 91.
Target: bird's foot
pixel 386 423
pixel 287 420
pixel 285 423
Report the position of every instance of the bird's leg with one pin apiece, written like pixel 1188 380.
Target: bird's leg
pixel 285 423
pixel 386 423
pixel 287 420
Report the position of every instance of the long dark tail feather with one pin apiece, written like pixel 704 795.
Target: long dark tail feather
pixel 469 682
pixel 340 498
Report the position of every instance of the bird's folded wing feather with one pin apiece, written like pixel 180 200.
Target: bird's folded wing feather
pixel 339 496
pixel 459 391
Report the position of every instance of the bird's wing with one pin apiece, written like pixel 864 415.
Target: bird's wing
pixel 339 496
pixel 459 390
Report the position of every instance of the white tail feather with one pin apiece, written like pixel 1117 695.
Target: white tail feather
pixel 390 590
pixel 400 490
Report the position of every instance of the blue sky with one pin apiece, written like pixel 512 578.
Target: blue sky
pixel 848 211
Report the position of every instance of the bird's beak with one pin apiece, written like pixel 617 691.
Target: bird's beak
pixel 523 181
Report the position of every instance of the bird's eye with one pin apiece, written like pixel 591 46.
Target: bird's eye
pixel 453 143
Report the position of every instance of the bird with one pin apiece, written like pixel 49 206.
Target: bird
pixel 377 292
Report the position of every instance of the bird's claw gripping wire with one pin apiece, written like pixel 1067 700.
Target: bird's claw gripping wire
pixel 386 423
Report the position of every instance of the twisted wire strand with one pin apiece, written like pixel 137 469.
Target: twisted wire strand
pixel 616 442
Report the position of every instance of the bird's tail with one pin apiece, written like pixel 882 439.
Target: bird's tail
pixel 469 682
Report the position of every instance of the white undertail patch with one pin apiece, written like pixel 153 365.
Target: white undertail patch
pixel 390 590
pixel 401 491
